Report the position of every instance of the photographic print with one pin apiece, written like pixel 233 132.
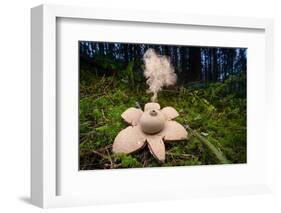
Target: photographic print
pixel 157 105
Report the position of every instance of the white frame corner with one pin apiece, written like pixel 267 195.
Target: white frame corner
pixel 43 85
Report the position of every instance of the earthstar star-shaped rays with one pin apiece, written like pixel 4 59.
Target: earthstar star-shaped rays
pixel 154 126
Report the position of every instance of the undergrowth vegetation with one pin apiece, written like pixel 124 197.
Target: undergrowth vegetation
pixel 217 111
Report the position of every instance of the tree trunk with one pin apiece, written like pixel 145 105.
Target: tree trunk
pixel 101 48
pixel 176 60
pixel 184 74
pixel 194 64
pixel 215 64
pixel 167 52
pixel 126 55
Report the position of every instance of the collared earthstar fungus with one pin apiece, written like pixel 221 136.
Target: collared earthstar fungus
pixel 153 126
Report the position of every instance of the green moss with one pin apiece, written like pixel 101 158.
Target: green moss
pixel 213 109
pixel 127 161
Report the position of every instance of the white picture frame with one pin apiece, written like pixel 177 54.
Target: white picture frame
pixel 45 170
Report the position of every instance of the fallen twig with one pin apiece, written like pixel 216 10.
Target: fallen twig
pixel 109 157
pixel 100 154
pixel 220 156
pixel 103 115
pixel 185 156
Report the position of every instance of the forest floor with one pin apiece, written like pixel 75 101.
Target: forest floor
pixel 213 111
